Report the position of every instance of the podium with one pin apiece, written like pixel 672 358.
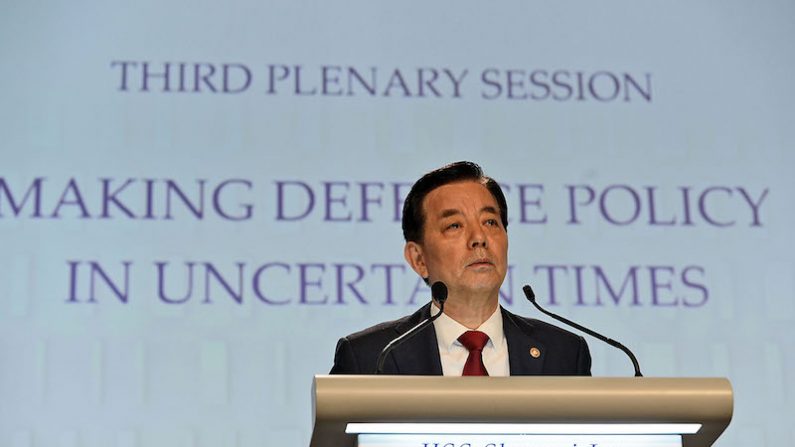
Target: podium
pixel 529 411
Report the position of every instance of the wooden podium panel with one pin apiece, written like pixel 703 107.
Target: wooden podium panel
pixel 610 403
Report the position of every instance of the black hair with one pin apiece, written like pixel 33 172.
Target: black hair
pixel 413 216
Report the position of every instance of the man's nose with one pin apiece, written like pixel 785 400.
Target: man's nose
pixel 477 238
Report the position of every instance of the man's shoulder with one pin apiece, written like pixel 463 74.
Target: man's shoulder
pixel 386 330
pixel 564 353
pixel 357 353
pixel 541 329
pixel 378 331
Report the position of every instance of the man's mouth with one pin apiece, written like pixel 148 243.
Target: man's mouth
pixel 480 263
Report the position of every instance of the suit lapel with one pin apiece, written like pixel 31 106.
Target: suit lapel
pixel 420 354
pixel 525 354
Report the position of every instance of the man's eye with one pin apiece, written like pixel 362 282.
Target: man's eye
pixel 454 225
pixel 492 222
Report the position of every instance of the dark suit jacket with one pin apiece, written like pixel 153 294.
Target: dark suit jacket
pixel 562 353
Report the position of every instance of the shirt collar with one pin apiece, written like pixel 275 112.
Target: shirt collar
pixel 448 330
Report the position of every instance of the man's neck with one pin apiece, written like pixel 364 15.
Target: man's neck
pixel 470 313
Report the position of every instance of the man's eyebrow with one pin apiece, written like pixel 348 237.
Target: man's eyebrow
pixel 489 209
pixel 453 212
pixel 449 212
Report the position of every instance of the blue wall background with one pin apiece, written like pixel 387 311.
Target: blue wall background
pixel 178 256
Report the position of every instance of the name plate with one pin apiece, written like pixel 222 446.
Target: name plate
pixel 517 440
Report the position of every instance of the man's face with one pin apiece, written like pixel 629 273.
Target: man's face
pixel 464 243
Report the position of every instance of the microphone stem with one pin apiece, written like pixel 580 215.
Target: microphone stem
pixel 405 337
pixel 609 341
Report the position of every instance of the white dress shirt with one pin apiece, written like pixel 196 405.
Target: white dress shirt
pixel 454 355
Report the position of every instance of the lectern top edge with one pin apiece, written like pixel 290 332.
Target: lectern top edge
pixel 339 400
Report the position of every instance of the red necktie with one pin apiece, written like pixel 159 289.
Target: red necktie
pixel 474 341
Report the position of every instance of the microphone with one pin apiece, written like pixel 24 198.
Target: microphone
pixel 531 296
pixel 439 293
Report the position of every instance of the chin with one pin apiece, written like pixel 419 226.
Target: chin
pixel 481 287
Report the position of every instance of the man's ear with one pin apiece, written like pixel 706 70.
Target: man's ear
pixel 416 258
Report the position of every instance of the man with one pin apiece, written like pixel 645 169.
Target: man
pixel 455 224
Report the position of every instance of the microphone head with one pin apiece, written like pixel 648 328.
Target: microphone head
pixel 528 292
pixel 439 292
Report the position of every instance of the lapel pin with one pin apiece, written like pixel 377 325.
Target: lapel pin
pixel 535 353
